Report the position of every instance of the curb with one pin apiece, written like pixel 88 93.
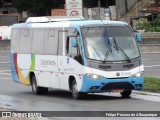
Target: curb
pixel 147 93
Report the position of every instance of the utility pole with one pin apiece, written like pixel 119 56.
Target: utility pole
pixel 99 7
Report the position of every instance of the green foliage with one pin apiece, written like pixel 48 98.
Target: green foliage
pixel 3 2
pixel 157 23
pixel 152 84
pixel 37 7
pixel 22 5
pixel 145 25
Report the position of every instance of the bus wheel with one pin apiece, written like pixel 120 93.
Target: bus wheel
pixel 75 93
pixel 126 94
pixel 36 89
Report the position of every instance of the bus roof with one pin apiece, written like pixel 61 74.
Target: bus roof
pixel 53 19
pixel 50 22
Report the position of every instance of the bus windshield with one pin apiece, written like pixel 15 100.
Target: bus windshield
pixel 110 43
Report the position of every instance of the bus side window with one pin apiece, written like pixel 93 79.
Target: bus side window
pixel 16 36
pixel 75 52
pixel 25 41
pixel 80 58
pixel 51 43
pixel 38 36
pixel 67 46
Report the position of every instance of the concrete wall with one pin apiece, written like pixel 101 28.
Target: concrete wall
pixel 149 48
pixel 122 7
pixel 130 3
pixel 58 12
pixel 150 42
pixel 11 10
pixel 5 45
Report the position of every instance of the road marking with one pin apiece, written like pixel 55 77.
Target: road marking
pixel 146 59
pixel 4 62
pixel 151 52
pixel 9 78
pixel 5 73
pixel 152 66
pixel 5 51
pixel 4 56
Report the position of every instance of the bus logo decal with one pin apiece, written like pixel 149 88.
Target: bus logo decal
pixel 67 60
pixel 118 74
pixel 47 62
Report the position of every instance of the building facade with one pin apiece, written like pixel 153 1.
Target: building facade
pixel 92 9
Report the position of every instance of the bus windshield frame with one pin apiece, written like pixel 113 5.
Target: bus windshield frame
pixel 110 43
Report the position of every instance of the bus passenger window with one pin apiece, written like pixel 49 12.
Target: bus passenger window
pixel 76 52
pixel 67 46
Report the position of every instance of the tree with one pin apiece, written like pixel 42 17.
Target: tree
pixel 22 5
pixel 143 24
pixel 157 23
pixel 37 7
pixel 3 2
pixel 149 27
pixel 157 2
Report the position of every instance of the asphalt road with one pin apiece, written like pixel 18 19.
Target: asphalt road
pixel 151 64
pixel 20 97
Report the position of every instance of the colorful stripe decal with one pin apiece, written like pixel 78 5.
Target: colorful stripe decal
pixel 32 67
pixel 15 62
pixel 13 68
pixel 17 74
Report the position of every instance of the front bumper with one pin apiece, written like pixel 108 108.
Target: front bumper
pixel 107 85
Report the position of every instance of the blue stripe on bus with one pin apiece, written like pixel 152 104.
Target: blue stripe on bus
pixel 89 82
pixel 13 70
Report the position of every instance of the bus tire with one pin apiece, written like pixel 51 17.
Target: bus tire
pixel 36 89
pixel 126 94
pixel 75 93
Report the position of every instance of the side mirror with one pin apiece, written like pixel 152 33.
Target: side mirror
pixel 74 42
pixel 138 37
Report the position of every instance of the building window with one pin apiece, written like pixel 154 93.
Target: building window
pixel 5 12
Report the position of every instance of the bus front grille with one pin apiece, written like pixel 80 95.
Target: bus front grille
pixel 104 67
pixel 118 85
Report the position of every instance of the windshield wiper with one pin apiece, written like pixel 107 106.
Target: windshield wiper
pixel 109 45
pixel 107 52
pixel 106 55
pixel 117 46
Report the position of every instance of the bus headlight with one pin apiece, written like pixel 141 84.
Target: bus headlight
pixel 138 74
pixel 94 76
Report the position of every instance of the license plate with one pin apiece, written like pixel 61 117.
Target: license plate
pixel 117 90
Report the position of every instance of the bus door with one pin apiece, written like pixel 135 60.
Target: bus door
pixel 68 57
pixel 62 60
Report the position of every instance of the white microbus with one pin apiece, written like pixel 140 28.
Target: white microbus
pixel 77 55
